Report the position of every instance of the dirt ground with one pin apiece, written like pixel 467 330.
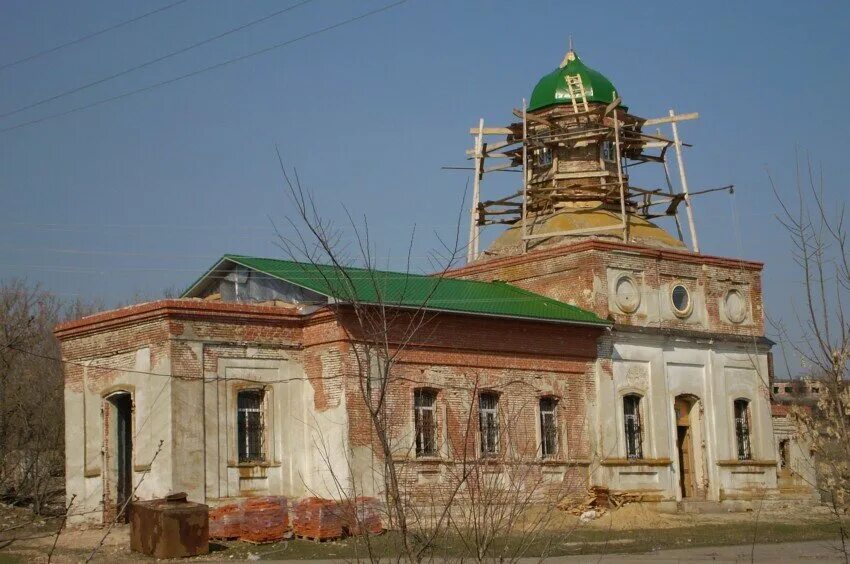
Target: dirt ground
pixel 632 529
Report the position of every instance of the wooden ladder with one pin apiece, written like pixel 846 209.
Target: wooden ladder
pixel 577 93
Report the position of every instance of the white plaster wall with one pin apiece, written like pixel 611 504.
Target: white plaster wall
pixel 84 431
pixel 661 368
pixel 307 449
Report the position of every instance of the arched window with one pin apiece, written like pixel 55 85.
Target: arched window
pixel 488 421
pixel 631 418
pixel 548 427
pixel 425 421
pixel 742 428
pixel 251 426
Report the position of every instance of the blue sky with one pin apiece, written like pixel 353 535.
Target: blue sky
pixel 144 193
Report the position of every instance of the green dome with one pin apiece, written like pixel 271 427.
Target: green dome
pixel 552 88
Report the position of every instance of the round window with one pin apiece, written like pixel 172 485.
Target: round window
pixel 736 306
pixel 627 294
pixel 681 299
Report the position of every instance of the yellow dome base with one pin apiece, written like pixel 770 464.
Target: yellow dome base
pixel 641 231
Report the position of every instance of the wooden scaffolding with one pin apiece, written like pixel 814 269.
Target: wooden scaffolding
pixel 619 139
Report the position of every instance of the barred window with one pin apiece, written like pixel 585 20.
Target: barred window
pixel 425 421
pixel 742 428
pixel 250 423
pixel 488 421
pixel 631 417
pixel 543 156
pixel 548 427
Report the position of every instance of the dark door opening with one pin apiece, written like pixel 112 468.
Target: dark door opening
pixel 685 472
pixel 685 445
pixel 122 453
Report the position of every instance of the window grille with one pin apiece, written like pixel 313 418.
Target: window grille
pixel 488 410
pixel 425 422
pixel 548 427
pixel 250 421
pixel 742 429
pixel 631 416
pixel 543 156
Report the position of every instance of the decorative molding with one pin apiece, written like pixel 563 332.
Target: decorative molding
pixel 746 462
pixel 636 462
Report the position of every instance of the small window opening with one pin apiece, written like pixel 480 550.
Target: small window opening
pixel 784 448
pixel 548 427
pixel 488 409
pixel 425 421
pixel 543 157
pixel 609 151
pixel 251 426
pixel 681 299
pixel 742 429
pixel 631 416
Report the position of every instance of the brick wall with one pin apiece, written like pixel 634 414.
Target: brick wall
pixel 578 274
pixel 454 354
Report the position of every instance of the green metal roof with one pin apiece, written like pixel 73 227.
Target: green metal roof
pixel 413 290
pixel 552 88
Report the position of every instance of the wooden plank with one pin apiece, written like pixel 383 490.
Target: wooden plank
pixel 532 117
pixel 502 167
pixel 612 105
pixel 490 131
pixel 495 146
pixel 672 118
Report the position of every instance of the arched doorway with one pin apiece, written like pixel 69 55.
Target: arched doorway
pixel 118 427
pixel 689 441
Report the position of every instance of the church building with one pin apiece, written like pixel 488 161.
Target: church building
pixel 586 345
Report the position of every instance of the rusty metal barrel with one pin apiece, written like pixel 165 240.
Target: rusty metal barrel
pixel 172 527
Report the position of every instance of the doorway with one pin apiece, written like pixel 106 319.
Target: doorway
pixel 119 456
pixel 688 445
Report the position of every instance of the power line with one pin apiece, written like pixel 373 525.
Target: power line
pixel 155 60
pixel 209 68
pixel 91 35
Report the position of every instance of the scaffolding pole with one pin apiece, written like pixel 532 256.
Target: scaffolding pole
pixel 472 249
pixel 620 178
pixel 684 180
pixel 524 175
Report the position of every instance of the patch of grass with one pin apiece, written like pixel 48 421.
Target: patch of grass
pixel 553 543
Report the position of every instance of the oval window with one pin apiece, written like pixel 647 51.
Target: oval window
pixel 681 299
pixel 736 306
pixel 627 294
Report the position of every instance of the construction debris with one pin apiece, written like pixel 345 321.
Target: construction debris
pixel 597 502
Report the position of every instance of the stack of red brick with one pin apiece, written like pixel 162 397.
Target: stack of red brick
pixel 266 519
pixel 319 519
pixel 259 519
pixel 367 517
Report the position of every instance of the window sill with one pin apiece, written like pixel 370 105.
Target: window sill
pixel 263 464
pixel 636 462
pixel 556 461
pixel 429 459
pixel 746 462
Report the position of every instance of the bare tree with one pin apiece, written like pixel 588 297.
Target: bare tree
pixel 31 414
pixel 818 235
pixel 485 499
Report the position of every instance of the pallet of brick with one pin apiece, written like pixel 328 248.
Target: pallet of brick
pixel 366 517
pixel 265 519
pixel 226 521
pixel 319 519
